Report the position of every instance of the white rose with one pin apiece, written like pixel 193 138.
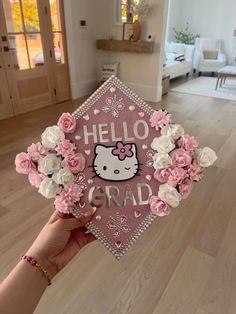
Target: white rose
pixel 63 176
pixel 48 188
pixel 169 195
pixel 49 164
pixel 173 130
pixel 205 156
pixel 161 160
pixel 52 136
pixel 163 144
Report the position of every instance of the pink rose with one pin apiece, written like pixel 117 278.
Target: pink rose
pixel 36 151
pixel 67 123
pixel 35 178
pixel 24 163
pixel 187 143
pixel 162 174
pixel 66 201
pixel 74 162
pixel 65 147
pixel 195 172
pixel 176 176
pixel 64 204
pixel 185 188
pixel 180 158
pixel 74 191
pixel 159 119
pixel 159 207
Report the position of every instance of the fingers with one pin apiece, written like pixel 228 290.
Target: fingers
pixel 54 217
pixel 73 223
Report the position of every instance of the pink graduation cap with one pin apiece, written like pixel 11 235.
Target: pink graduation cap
pixel 119 155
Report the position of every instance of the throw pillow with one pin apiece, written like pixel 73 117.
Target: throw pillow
pixel 109 69
pixel 210 54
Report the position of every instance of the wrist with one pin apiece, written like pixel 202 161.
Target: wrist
pixel 48 266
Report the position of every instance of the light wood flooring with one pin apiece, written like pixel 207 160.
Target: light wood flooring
pixel 183 264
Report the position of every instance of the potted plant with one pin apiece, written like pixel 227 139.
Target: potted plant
pixel 185 36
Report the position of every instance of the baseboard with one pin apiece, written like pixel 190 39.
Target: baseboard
pixel 146 92
pixel 83 88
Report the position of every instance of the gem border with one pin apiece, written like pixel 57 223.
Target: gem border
pixel 111 82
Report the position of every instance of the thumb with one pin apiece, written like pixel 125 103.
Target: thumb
pixel 74 223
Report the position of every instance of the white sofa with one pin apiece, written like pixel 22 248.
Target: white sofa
pixel 176 68
pixel 208 65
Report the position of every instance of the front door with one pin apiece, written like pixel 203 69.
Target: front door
pixel 33 51
pixel 6 107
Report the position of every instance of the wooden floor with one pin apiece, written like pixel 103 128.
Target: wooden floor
pixel 184 263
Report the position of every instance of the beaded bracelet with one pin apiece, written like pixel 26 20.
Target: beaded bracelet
pixel 33 262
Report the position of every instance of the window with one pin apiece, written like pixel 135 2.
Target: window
pixel 123 14
pixel 57 31
pixel 24 34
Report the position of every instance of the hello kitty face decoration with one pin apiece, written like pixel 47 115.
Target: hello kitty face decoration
pixel 119 155
pixel 116 163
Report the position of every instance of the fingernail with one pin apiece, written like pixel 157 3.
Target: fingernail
pixel 90 212
pixel 94 209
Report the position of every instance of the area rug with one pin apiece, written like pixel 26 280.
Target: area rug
pixel 205 86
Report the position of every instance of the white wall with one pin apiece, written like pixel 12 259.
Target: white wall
pixel 211 18
pixel 174 18
pixel 81 42
pixel 142 72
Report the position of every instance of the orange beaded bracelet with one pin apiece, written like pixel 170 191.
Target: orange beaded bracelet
pixel 33 262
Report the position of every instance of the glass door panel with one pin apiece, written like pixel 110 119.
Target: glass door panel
pixel 58 46
pixel 24 34
pixel 32 37
pixel 57 30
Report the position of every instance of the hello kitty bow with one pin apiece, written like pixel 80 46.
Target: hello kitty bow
pixel 122 150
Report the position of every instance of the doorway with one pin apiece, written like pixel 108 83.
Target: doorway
pixel 33 57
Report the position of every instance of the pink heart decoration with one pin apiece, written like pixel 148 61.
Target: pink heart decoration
pixel 120 106
pixel 80 177
pixel 150 154
pixel 86 117
pixel 141 114
pixel 109 101
pixel 137 214
pixel 123 219
pixel 87 152
pixel 111 225
pixel 81 204
pixel 148 177
pixel 118 244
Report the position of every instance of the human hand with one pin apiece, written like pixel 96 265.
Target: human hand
pixel 59 241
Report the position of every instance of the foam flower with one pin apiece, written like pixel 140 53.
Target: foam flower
pixel 185 188
pixel 159 119
pixel 74 162
pixel 158 206
pixel 188 143
pixel 122 150
pixel 67 123
pixel 35 178
pixel 176 176
pixel 36 151
pixel 66 201
pixel 65 147
pixel 162 175
pixel 24 163
pixel 195 172
pixel 180 158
